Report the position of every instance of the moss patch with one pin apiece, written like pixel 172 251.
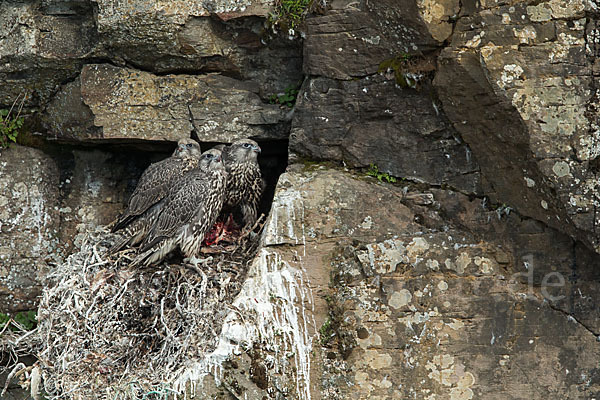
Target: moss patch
pixel 408 70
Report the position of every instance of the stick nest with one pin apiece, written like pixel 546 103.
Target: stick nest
pixel 107 330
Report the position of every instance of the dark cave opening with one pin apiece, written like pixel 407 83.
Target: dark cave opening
pixel 98 178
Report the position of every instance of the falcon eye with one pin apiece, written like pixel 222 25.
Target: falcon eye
pixel 247 145
pixel 189 145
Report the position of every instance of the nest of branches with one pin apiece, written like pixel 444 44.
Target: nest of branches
pixel 107 330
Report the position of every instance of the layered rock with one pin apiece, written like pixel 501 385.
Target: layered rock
pixel 221 36
pixel 119 103
pixel 45 44
pixel 374 121
pixel 41 47
pixel 425 289
pixel 428 294
pixel 359 110
pixel 354 37
pixel 527 106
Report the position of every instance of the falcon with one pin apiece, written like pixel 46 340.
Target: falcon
pixel 153 187
pixel 188 212
pixel 244 182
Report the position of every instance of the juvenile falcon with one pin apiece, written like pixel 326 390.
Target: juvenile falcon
pixel 188 213
pixel 152 187
pixel 244 182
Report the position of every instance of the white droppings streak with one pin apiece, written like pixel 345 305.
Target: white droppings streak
pixel 280 323
pixel 287 205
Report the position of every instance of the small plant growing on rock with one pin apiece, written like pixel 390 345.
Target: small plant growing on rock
pixel 23 319
pixel 290 15
pixel 287 97
pixel 326 333
pixel 10 125
pixel 381 176
pixel 293 11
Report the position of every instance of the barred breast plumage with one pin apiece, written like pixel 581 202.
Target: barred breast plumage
pixel 245 184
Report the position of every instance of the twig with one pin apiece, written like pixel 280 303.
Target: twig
pixel 13 373
pixel 194 127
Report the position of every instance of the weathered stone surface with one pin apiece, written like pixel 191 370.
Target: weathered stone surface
pixel 354 37
pixel 131 104
pixel 527 106
pixel 209 36
pixel 435 298
pixel 42 48
pixel 68 117
pixel 372 120
pixel 45 44
pixel 29 225
pixel 438 16
pixel 95 184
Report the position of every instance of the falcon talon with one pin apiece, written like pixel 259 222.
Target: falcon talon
pixel 195 261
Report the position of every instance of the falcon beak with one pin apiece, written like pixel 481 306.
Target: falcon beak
pixel 256 149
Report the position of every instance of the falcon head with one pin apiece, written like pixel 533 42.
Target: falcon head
pixel 187 148
pixel 211 160
pixel 244 150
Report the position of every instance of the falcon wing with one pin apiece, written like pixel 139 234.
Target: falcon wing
pixel 180 208
pixel 152 187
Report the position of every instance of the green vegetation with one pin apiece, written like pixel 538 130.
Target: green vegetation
pixel 294 11
pixel 11 124
pixel 9 128
pixel 287 98
pixel 289 15
pixel 326 333
pixel 381 176
pixel 26 319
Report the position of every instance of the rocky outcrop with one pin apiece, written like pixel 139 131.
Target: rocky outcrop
pixel 430 294
pixel 353 38
pixel 359 110
pixel 472 276
pixel 374 121
pixel 118 103
pixel 41 47
pixel 44 44
pixel 29 225
pixel 528 106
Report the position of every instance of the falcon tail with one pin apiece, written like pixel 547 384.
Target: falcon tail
pixel 122 222
pixel 156 252
pixel 132 237
pixel 137 230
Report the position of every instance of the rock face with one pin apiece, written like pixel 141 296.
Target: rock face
pixel 354 37
pixel 119 103
pixel 42 46
pixel 473 276
pixel 45 44
pixel 421 304
pixel 348 112
pixel 29 225
pixel 374 121
pixel 525 72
